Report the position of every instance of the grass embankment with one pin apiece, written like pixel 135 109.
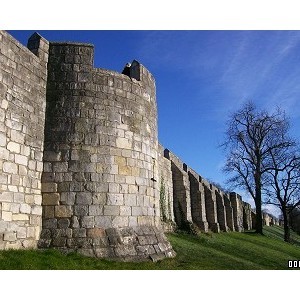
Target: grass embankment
pixel 229 251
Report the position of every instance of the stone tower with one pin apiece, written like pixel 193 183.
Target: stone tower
pixel 99 185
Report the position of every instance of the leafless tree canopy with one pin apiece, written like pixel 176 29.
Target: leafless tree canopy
pixel 252 137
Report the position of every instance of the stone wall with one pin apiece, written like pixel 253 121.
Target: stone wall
pixel 165 183
pixel 81 167
pixel 22 115
pixel 100 182
pixel 197 201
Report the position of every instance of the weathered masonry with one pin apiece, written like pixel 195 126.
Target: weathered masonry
pixel 187 198
pixel 80 164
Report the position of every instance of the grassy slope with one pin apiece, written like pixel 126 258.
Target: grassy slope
pixel 227 251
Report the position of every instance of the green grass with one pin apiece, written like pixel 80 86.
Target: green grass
pixel 224 251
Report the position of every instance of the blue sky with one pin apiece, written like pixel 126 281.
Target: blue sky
pixel 202 76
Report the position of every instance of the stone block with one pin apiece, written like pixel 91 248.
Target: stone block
pixel 52 156
pixel 132 221
pixel 13 245
pixel 60 167
pixel 23 171
pixel 6 216
pixel 36 210
pixel 21 232
pixel 31 232
pixel 32 165
pixel 3 177
pixel 120 161
pixel 75 222
pixel 17 137
pixel 4 104
pixel 21 160
pixel 133 189
pixel 59 242
pixel 29 199
pixel 29 244
pixel 9 167
pixel 5 206
pixel 125 211
pixel 123 143
pixel 48 212
pixel 95 210
pixel 79 232
pixel 15 208
pixel 3 139
pixel 130 200
pixel 103 252
pixel 125 251
pixel 20 217
pixel 49 223
pixel 63 223
pixel 37 199
pixel 87 222
pixel 115 199
pixel 4 153
pixel 111 210
pixel 81 210
pixel 25 208
pixel 157 257
pixel 136 211
pixel 50 199
pixel 7 196
pixel 142 240
pixel 10 236
pixel 83 198
pixel 96 232
pixel 13 147
pixel 49 187
pixel 125 170
pixel 120 221
pixel 103 221
pixel 63 211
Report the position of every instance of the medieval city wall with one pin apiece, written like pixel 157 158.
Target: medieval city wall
pixel 22 115
pixel 81 167
pixel 197 201
pixel 100 180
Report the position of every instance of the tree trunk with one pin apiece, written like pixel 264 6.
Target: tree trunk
pixel 286 226
pixel 259 221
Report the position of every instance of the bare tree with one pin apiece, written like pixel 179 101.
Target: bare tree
pixel 250 138
pixel 283 185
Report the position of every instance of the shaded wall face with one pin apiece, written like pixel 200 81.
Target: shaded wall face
pixel 247 218
pixel 22 115
pixel 179 196
pixel 100 166
pixel 197 202
pixel 166 191
pixel 221 210
pixel 238 213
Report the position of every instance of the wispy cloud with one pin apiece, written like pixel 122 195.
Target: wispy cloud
pixel 265 69
pixel 230 66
